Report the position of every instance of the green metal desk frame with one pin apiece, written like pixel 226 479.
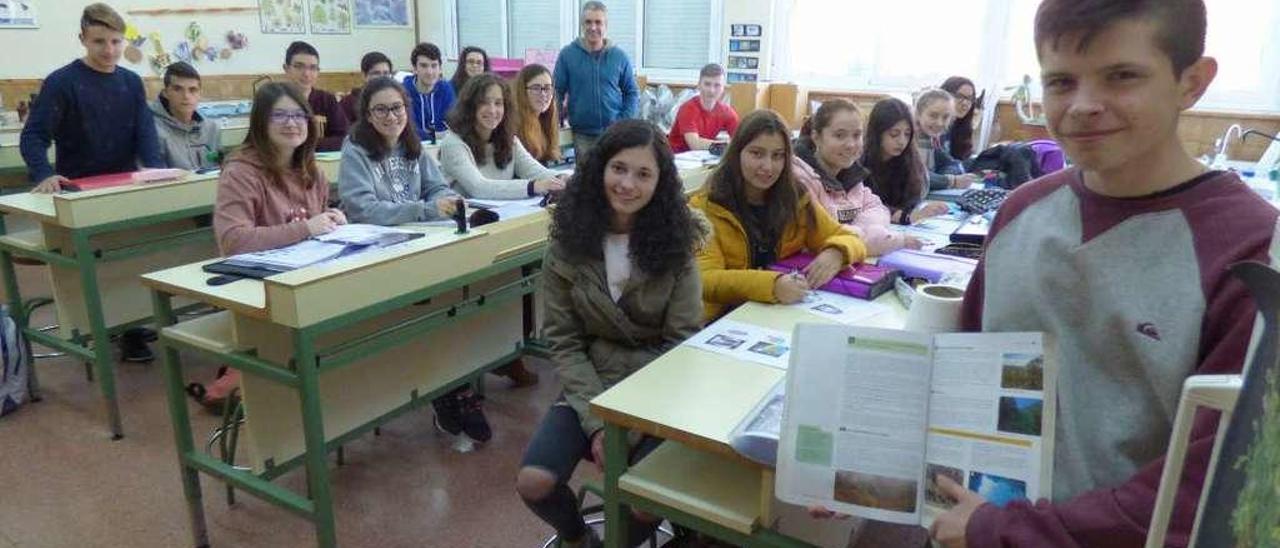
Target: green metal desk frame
pixel 617 502
pixel 94 347
pixel 318 507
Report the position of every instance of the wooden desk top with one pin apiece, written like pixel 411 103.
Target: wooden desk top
pixel 698 397
pixel 107 205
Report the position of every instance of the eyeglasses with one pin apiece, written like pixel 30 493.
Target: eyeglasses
pixel 539 89
pixel 384 111
pixel 282 117
pixel 966 98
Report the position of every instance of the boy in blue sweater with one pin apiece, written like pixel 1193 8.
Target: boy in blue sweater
pixel 597 78
pixel 431 95
pixel 93 111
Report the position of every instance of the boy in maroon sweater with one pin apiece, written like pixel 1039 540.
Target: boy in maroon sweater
pixel 1123 259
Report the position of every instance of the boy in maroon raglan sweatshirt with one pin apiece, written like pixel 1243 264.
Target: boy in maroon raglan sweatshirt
pixel 1123 258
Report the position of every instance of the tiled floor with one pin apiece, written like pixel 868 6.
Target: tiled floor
pixel 63 482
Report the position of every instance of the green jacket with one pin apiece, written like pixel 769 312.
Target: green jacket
pixel 595 343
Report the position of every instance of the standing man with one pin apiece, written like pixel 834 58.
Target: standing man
pixel 374 64
pixel 700 119
pixel 594 80
pixel 93 112
pixel 302 65
pixel 187 140
pixel 431 95
pixel 1124 259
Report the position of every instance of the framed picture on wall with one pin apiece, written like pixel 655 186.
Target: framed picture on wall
pixel 752 30
pixel 382 13
pixel 737 30
pixel 282 16
pixel 18 14
pixel 330 16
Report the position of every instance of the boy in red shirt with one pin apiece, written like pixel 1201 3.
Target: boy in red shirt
pixel 700 119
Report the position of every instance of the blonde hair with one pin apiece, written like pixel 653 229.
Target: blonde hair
pixel 539 133
pixel 928 96
pixel 101 15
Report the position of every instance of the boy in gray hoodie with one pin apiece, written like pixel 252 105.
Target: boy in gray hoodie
pixel 187 140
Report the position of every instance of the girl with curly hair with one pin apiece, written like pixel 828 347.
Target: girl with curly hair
pixel 621 288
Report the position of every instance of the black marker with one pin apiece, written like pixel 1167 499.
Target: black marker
pixel 460 215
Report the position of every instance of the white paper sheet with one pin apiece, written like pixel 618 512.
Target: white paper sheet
pixel 840 308
pixel 745 342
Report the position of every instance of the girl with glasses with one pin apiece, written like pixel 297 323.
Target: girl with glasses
pixel 472 62
pixel 535 119
pixel 385 178
pixel 270 193
pixel 958 140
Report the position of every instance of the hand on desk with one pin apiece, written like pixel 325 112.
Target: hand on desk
pixel 325 222
pixel 790 288
pixel 50 185
pixel 823 267
pixel 965 180
pixel 929 209
pixel 551 184
pixel 912 242
pixel 447 206
pixel 948 529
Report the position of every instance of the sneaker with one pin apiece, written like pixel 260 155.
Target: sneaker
pixel 448 414
pixel 133 347
pixel 474 423
pixel 520 375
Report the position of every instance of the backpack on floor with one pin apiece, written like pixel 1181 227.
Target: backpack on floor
pixel 15 364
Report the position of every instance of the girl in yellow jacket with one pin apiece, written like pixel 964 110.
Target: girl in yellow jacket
pixel 760 215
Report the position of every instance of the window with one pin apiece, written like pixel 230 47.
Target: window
pixel 677 34
pixel 1239 36
pixel 667 38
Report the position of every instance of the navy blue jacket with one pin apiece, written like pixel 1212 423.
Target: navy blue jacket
pixel 98 123
pixel 601 86
pixel 428 110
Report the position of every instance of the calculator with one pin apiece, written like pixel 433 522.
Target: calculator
pixel 982 200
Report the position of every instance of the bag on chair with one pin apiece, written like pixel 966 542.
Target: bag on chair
pixel 16 363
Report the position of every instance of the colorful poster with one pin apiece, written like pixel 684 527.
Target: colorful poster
pixel 331 16
pixel 18 14
pixel 282 16
pixel 382 13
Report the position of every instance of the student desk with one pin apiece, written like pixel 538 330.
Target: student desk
pixel 449 306
pixel 694 399
pixel 96 242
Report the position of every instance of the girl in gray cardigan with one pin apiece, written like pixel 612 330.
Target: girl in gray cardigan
pixel 481 157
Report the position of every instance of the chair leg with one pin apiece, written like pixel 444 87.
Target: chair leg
pixel 88 371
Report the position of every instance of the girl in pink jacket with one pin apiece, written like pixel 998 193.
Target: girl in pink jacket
pixel 827 151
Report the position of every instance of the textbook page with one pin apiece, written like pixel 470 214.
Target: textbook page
pixel 853 429
pixel 990 418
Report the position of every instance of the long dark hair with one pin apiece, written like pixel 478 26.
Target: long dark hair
pixel 899 181
pixel 258 140
pixel 727 185
pixel 662 238
pixel 367 136
pixel 961 132
pixel 462 119
pixel 539 133
pixel 460 76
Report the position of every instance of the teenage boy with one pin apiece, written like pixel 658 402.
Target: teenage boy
pixel 187 140
pixel 302 65
pixel 373 65
pixel 594 80
pixel 702 118
pixel 93 111
pixel 431 95
pixel 1123 259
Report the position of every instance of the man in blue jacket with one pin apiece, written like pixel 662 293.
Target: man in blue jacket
pixel 597 78
pixel 93 112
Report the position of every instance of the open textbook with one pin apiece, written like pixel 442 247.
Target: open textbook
pixel 872 416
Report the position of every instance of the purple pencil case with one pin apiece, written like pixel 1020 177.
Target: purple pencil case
pixel 864 281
